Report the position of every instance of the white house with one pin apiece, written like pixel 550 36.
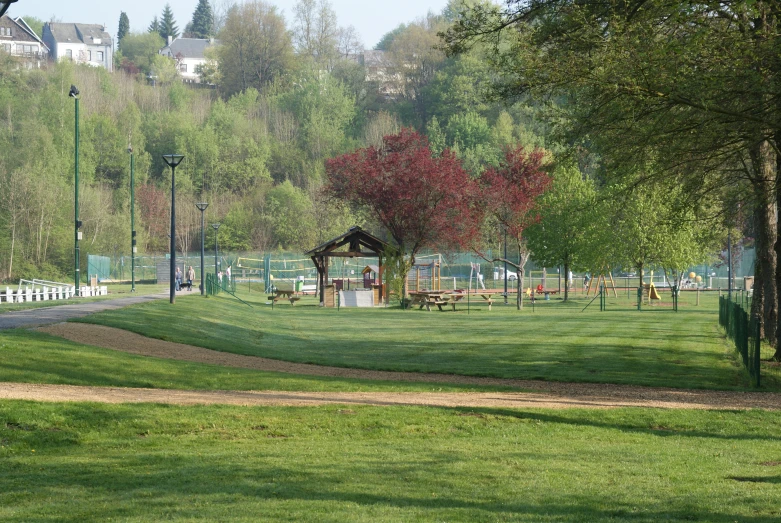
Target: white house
pixel 188 53
pixel 82 43
pixel 17 39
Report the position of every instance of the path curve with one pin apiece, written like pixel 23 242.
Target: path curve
pixel 543 394
pixel 58 313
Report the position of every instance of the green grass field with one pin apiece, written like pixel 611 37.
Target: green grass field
pixel 86 462
pixel 145 462
pixel 654 347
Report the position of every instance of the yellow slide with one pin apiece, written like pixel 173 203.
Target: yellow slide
pixel 652 294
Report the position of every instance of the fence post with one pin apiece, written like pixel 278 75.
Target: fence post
pixel 757 350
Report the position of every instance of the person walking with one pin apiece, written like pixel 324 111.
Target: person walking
pixel 190 278
pixel 178 279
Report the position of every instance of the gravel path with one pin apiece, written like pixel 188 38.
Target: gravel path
pixel 58 313
pixel 537 393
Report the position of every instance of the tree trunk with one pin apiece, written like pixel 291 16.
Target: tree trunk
pixel 566 280
pixel 519 298
pixel 777 355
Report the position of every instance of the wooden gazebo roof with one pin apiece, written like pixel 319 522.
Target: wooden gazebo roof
pixel 355 239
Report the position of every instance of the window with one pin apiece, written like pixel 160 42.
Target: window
pixel 183 68
pixel 69 53
pixel 100 56
pixel 89 56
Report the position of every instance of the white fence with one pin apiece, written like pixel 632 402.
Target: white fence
pixel 41 290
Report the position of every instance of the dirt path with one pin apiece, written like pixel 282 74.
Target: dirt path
pixel 542 394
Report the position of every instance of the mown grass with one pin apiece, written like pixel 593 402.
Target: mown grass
pixel 116 290
pixel 653 347
pixel 89 462
pixel 34 357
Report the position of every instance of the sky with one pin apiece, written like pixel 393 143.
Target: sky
pixel 371 18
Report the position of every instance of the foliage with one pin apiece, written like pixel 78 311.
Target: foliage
pixel 168 27
pixel 123 30
pixel 140 49
pixel 203 20
pixel 421 200
pixel 563 236
pixel 508 194
pixel 255 49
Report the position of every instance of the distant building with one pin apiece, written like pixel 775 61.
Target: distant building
pixel 17 39
pixel 83 43
pixel 188 53
pixel 380 71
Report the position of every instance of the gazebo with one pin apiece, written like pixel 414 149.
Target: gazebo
pixel 359 244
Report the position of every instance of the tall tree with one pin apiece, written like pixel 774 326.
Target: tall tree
pixel 560 236
pixel 421 200
pixel 316 33
pixel 154 27
pixel 256 47
pixel 509 195
pixel 124 28
pixel 203 20
pixel 168 25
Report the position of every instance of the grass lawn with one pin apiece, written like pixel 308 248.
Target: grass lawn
pixel 34 357
pixel 114 291
pixel 654 347
pixel 84 462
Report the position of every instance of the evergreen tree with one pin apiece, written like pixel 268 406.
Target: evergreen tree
pixel 154 27
pixel 124 27
pixel 168 25
pixel 201 25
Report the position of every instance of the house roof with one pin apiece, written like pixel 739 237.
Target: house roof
pixel 21 31
pixel 188 47
pixel 90 34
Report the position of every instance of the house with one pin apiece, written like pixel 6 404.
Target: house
pixel 17 39
pixel 380 71
pixel 188 53
pixel 83 43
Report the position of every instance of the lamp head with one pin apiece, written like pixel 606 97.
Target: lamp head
pixel 202 206
pixel 4 5
pixel 130 149
pixel 216 226
pixel 173 159
pixel 74 92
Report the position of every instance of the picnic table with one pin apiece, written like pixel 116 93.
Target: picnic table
pixel 443 298
pixel 280 294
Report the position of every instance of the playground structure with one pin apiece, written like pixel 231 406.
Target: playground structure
pixel 425 277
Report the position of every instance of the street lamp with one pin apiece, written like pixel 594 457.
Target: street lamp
pixel 202 207
pixel 132 221
pixel 173 160
pixel 215 226
pixel 4 5
pixel 74 93
pixel 505 263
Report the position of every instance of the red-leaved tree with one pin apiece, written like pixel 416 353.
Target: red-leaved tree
pixel 422 200
pixel 509 196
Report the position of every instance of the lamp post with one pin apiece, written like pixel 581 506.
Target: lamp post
pixel 74 93
pixel 4 5
pixel 215 226
pixel 505 264
pixel 202 207
pixel 173 160
pixel 132 221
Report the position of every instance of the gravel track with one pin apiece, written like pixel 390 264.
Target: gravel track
pixel 535 393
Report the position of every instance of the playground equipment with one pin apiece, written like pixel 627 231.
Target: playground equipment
pixel 425 277
pixel 600 281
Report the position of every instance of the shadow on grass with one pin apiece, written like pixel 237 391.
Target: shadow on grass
pixel 176 481
pixel 581 419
